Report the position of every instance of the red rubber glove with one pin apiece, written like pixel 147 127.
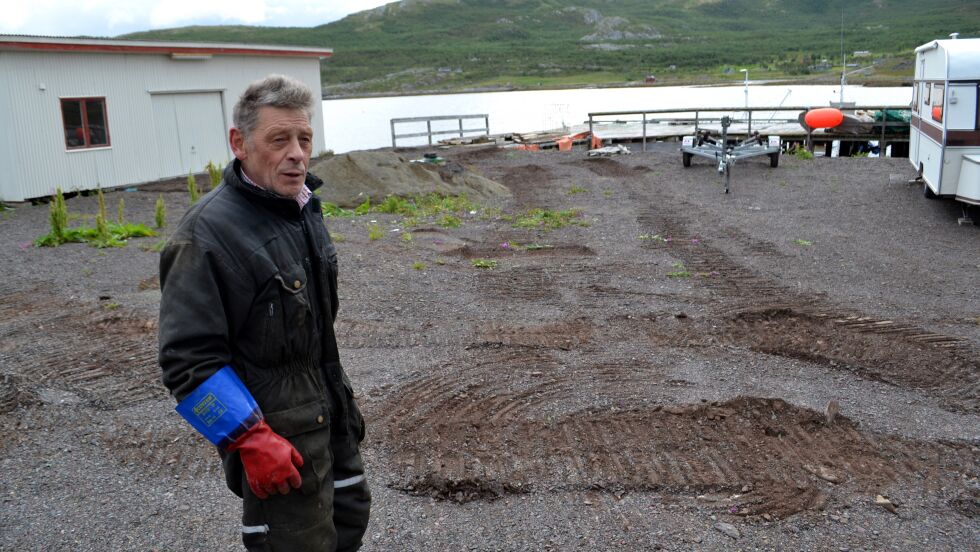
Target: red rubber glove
pixel 270 461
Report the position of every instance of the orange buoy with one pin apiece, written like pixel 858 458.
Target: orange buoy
pixel 825 117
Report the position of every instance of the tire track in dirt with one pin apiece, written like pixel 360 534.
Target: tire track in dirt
pixel 106 356
pixel 494 428
pixel 760 313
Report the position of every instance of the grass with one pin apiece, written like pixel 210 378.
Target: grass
pixel 549 220
pixel 802 153
pixel 484 263
pixel 802 243
pixel 418 265
pixel 680 271
pixel 407 237
pixel 450 221
pixel 375 232
pixel 442 210
pixel 105 233
pixel 654 238
pixel 574 190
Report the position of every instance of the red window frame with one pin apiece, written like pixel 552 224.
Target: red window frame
pixel 80 137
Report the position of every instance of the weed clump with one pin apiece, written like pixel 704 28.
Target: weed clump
pixel 192 188
pixel 214 173
pixel 160 212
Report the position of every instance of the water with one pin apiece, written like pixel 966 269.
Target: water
pixel 364 123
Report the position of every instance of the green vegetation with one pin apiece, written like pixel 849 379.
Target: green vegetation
pixel 802 243
pixel 680 271
pixel 418 265
pixel 576 190
pixel 375 232
pixel 549 220
pixel 192 188
pixel 657 238
pixel 442 210
pixel 214 174
pixel 105 233
pixel 120 211
pixel 160 212
pixel 407 237
pixel 802 153
pixel 408 47
pixel 337 237
pixel 484 263
pixel 333 210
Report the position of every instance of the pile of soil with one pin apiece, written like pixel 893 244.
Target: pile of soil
pixel 352 177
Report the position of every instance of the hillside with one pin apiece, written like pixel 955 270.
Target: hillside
pixel 421 45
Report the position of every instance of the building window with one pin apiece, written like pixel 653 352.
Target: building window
pixel 86 123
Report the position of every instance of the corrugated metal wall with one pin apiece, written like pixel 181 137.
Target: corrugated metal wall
pixel 34 132
pixel 8 162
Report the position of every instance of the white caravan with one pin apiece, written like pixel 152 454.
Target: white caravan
pixel 944 141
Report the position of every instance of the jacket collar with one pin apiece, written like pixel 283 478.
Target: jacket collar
pixel 284 206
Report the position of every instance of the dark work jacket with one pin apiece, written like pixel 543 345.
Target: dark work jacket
pixel 249 279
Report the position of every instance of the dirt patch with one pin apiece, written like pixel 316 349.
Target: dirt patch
pixel 352 177
pixel 106 356
pixel 784 454
pixel 605 167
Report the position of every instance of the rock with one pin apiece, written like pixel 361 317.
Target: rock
pixel 831 411
pixel 728 530
pixel 886 504
pixel 828 475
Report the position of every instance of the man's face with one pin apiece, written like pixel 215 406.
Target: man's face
pixel 277 153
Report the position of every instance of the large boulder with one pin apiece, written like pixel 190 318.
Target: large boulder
pixel 352 177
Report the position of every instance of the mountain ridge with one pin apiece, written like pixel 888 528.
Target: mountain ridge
pixel 417 46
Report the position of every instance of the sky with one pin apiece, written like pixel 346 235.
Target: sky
pixel 115 17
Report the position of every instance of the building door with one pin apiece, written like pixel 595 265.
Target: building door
pixel 190 131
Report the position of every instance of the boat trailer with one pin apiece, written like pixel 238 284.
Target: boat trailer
pixel 726 154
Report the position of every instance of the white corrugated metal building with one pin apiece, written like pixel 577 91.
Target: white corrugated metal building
pixel 79 114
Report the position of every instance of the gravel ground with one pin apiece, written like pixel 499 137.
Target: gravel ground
pixel 659 378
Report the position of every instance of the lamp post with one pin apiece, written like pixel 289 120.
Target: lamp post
pixel 746 71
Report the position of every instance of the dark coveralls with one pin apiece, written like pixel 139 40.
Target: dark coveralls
pixel 250 280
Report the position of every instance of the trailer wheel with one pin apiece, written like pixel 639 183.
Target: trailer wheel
pixel 686 158
pixel 927 191
pixel 774 159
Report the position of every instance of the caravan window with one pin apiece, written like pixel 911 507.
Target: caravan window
pixel 937 104
pixel 86 123
pixel 925 93
pixel 915 99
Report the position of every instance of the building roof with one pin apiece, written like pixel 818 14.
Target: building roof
pixel 114 46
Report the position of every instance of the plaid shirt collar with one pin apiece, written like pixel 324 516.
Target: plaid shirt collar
pixel 302 198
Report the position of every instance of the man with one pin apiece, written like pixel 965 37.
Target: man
pixel 247 344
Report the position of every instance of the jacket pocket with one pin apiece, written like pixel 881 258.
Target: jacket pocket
pixel 289 318
pixel 307 427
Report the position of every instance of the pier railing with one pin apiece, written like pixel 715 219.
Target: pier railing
pixel 769 116
pixel 429 133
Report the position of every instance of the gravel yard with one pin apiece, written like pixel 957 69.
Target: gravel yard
pixel 676 369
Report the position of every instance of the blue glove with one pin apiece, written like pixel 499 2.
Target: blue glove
pixel 221 408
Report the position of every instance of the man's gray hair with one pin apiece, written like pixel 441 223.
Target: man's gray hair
pixel 272 91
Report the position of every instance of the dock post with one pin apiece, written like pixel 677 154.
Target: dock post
pixel 881 143
pixel 644 132
pixel 460 127
pixel 428 129
pixel 393 133
pixel 750 124
pixel 591 136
